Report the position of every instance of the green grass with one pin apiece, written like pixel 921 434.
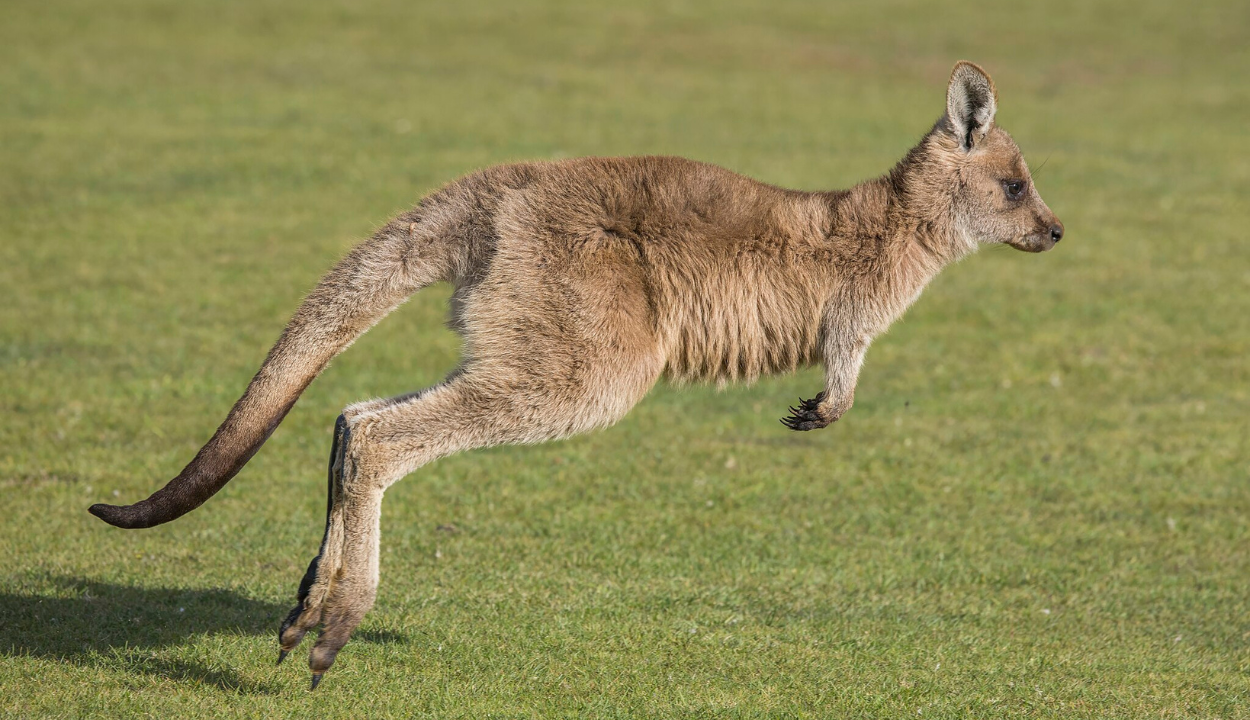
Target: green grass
pixel 1039 507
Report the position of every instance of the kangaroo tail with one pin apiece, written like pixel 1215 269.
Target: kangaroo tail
pixel 374 279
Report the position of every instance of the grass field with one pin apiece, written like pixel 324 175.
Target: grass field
pixel 1039 506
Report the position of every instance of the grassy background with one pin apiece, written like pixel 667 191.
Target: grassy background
pixel 1039 507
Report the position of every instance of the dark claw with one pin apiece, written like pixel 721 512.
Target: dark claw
pixel 316 679
pixel 281 656
pixel 808 415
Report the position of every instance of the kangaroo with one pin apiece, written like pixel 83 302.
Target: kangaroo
pixel 579 283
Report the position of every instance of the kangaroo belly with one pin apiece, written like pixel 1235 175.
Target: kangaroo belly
pixel 735 329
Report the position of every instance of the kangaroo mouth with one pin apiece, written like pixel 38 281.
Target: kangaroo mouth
pixel 1034 243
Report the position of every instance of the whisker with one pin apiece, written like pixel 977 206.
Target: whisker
pixel 1039 167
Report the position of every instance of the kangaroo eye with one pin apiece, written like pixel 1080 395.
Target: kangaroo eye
pixel 1014 188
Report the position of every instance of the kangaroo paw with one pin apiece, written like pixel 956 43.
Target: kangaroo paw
pixel 335 633
pixel 297 624
pixel 355 585
pixel 809 415
pixel 305 616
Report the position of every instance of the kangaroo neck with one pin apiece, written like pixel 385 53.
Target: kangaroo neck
pixel 890 243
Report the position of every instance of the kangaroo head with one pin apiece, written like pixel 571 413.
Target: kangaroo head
pixel 993 199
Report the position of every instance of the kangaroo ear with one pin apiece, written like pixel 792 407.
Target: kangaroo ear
pixel 971 102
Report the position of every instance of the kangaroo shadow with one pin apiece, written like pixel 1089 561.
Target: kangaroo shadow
pixel 114 626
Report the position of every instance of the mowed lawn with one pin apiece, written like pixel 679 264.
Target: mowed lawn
pixel 1039 506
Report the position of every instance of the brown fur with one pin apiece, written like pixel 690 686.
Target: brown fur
pixel 580 283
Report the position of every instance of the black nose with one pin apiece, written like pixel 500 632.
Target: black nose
pixel 1056 232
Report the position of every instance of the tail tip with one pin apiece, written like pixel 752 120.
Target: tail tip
pixel 122 516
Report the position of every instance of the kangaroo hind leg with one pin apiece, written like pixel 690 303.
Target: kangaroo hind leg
pixel 374 448
pixel 301 619
pixel 527 377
